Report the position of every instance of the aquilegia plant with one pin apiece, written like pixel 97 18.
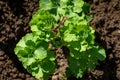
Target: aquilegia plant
pixel 59 23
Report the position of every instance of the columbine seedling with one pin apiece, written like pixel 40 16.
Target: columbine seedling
pixel 59 23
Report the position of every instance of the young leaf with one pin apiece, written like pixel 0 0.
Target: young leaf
pixel 101 55
pixel 27 61
pixel 40 53
pixel 78 4
pixel 46 4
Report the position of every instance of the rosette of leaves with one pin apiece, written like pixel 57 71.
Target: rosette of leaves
pixel 79 37
pixel 60 23
pixel 35 56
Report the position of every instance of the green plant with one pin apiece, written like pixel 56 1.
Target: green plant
pixel 59 23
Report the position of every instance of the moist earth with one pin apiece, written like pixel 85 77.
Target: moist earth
pixel 14 23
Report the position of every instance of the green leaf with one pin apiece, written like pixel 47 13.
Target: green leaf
pixel 17 48
pixel 83 48
pixel 75 67
pixel 45 4
pixel 27 61
pixel 21 43
pixel 57 42
pixel 63 3
pixel 48 66
pixel 78 4
pixel 31 44
pixel 22 53
pixel 40 53
pixel 80 74
pixel 89 17
pixel 74 53
pixel 34 28
pixel 91 65
pixel 27 37
pixel 38 73
pixel 42 21
pixel 68 37
pixel 48 4
pixel 86 7
pixel 74 45
pixel 60 11
pixel 101 54
pixel 51 56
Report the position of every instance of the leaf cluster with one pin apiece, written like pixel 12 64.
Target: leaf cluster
pixel 59 23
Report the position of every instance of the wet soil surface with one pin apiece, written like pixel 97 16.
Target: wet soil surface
pixel 14 23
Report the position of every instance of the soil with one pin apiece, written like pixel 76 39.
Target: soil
pixel 14 23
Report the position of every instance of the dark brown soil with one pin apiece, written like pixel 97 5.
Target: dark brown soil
pixel 14 23
pixel 60 71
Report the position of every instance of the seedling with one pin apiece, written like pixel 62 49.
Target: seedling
pixel 59 23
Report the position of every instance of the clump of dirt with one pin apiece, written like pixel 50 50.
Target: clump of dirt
pixel 62 64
